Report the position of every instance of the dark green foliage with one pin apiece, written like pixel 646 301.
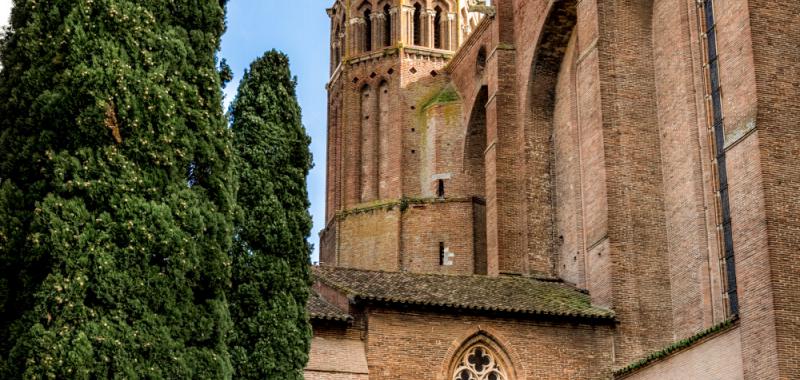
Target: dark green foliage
pixel 116 201
pixel 270 255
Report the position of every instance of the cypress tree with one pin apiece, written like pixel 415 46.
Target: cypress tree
pixel 117 196
pixel 270 256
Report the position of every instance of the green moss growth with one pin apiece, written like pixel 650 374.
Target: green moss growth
pixel 677 346
pixel 505 46
pixel 446 95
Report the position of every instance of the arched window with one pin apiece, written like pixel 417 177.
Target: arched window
pixel 387 26
pixel 417 24
pixel 479 363
pixel 367 30
pixel 437 28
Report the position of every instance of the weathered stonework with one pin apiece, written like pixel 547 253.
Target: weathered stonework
pixel 572 141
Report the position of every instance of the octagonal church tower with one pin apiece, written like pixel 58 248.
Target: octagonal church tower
pixel 402 192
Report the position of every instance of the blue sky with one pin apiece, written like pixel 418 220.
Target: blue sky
pixel 299 28
pixel 5 10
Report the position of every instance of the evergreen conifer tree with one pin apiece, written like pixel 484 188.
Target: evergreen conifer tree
pixel 116 192
pixel 271 254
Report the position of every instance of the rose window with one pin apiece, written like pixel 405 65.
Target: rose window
pixel 478 363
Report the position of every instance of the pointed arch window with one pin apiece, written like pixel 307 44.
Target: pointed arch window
pixel 479 363
pixel 387 25
pixel 437 28
pixel 417 24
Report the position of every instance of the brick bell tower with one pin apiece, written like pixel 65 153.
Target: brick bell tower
pixel 402 193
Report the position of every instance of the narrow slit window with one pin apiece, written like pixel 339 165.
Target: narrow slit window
pixel 441 253
pixel 440 189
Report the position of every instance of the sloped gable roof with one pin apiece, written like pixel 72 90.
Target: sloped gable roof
pixel 506 294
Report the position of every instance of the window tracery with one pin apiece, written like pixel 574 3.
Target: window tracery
pixel 479 363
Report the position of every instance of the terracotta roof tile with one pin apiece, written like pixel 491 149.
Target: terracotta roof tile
pixel 509 294
pixel 320 309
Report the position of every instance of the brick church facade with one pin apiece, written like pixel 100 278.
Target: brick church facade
pixel 561 189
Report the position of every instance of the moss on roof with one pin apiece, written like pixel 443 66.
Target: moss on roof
pixel 507 294
pixel 320 309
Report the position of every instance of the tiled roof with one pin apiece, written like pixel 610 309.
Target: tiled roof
pixel 507 294
pixel 320 309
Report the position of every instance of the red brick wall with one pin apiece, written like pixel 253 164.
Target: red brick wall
pixel 420 346
pixel 568 199
pixel 369 240
pixel 610 150
pixel 388 145
pixel 388 238
pixel 757 312
pixel 426 225
pixel 777 72
pixel 690 211
pixel 327 244
pixel 318 375
pixel 419 85
pixel 334 358
pixel 338 351
pixel 636 228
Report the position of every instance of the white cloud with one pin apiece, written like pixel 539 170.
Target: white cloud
pixel 5 12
